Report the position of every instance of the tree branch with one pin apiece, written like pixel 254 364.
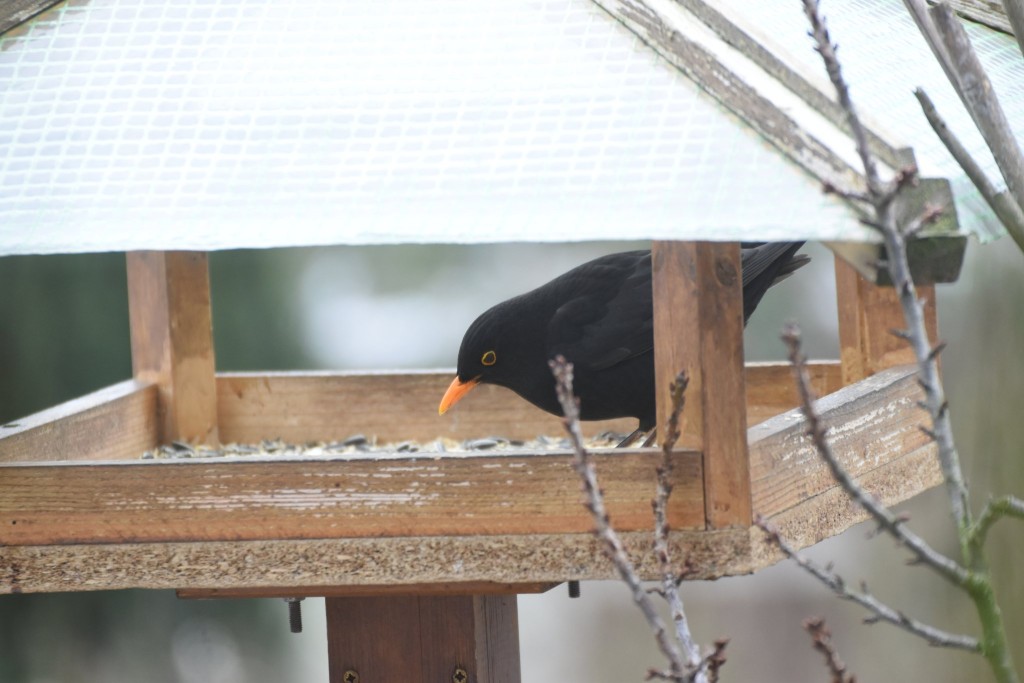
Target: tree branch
pixel 899 272
pixel 994 510
pixel 821 636
pixel 880 610
pixel 973 88
pixel 669 578
pixel 1001 201
pixel 952 48
pixel 680 667
pixel 883 516
pixel 979 97
pixel 827 50
pixel 1015 13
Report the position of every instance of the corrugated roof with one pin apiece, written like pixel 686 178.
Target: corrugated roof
pixel 213 124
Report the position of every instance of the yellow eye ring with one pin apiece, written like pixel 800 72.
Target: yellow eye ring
pixel 489 358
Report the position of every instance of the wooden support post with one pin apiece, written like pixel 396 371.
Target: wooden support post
pixel 423 639
pixel 868 314
pixel 172 340
pixel 698 326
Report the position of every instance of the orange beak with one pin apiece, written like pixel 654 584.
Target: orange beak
pixel 455 392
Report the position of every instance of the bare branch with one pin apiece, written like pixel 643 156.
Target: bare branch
pixel 1002 202
pixel 994 510
pixel 1015 13
pixel 979 97
pixel 613 547
pixel 715 659
pixel 822 639
pixel 949 42
pixel 899 273
pixel 827 50
pixel 829 188
pixel 919 13
pixel 669 578
pixel 953 50
pixel 883 516
pixel 879 610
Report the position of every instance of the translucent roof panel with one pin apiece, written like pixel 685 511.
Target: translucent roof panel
pixel 884 59
pixel 207 124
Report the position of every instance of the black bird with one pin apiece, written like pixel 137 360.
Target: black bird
pixel 599 316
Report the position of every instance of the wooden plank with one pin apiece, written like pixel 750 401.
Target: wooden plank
pixel 832 512
pixel 299 407
pixel 464 588
pixel 867 316
pixel 172 340
pixel 771 389
pixel 698 326
pixel 117 422
pixel 868 424
pixel 991 13
pixel 261 498
pixel 16 12
pixel 423 639
pixel 676 282
pixel 345 562
pixel 391 406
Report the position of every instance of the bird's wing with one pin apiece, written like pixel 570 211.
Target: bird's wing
pixel 607 314
pixel 608 317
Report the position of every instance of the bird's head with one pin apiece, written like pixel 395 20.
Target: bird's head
pixel 487 355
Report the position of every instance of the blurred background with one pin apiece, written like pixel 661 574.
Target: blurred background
pixel 64 332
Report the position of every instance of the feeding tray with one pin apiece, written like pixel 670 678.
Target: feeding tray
pixel 81 509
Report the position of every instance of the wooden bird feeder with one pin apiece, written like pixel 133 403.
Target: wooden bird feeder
pixel 424 551
pixel 430 549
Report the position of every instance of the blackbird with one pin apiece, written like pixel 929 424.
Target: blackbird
pixel 599 316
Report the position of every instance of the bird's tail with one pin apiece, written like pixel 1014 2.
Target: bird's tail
pixel 766 264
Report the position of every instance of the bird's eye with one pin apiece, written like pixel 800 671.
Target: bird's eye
pixel 489 358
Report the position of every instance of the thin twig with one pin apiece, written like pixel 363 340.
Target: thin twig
pixel 1001 201
pixel 821 636
pixel 883 516
pixel 612 544
pixel 827 51
pixel 880 610
pixel 994 510
pixel 669 576
pixel 918 10
pixel 715 659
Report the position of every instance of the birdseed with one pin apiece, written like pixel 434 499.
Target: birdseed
pixel 361 444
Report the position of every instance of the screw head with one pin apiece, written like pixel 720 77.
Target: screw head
pixel 350 676
pixel 460 676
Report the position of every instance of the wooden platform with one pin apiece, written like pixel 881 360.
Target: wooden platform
pixel 71 519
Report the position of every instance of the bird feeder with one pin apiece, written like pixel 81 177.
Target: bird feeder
pixel 426 552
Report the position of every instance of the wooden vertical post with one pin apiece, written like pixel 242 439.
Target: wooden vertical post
pixel 172 340
pixel 423 639
pixel 867 316
pixel 698 326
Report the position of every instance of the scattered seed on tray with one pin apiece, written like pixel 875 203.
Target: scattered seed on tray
pixel 360 443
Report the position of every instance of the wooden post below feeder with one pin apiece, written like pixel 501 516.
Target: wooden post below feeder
pixel 423 639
